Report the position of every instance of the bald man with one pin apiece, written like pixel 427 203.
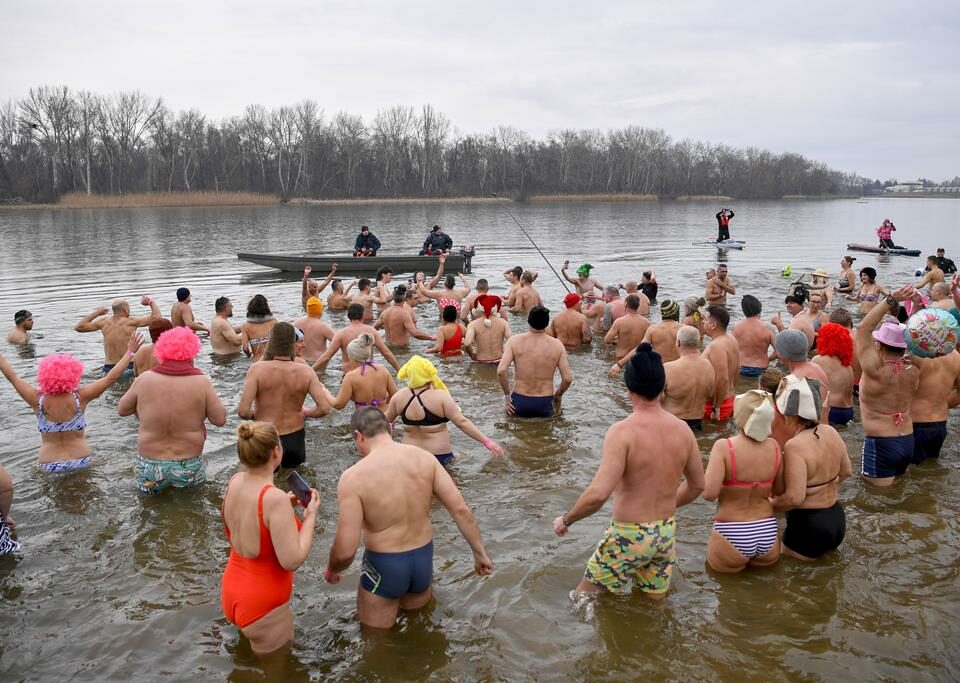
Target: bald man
pixel 117 328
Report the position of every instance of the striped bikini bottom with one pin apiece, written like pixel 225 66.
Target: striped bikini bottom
pixel 66 466
pixel 751 539
pixel 7 544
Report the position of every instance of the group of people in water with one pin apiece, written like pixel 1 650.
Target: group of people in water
pixel 803 377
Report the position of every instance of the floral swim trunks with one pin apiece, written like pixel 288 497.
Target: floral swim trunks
pixel 644 553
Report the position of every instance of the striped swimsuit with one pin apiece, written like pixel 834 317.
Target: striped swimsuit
pixel 755 538
pixel 77 423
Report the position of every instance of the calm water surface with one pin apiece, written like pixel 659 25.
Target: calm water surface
pixel 113 585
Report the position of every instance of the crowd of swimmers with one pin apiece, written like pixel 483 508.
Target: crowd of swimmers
pixel 783 453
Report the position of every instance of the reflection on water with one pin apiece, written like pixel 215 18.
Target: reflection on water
pixel 133 582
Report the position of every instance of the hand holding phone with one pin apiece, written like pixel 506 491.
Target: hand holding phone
pixel 299 488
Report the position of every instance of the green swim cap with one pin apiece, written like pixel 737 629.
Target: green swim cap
pixel 584 270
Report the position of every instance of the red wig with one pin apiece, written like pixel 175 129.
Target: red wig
pixel 835 340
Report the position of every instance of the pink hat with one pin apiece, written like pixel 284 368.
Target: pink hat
pixel 891 334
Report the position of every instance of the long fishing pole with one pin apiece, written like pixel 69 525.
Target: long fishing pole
pixel 510 213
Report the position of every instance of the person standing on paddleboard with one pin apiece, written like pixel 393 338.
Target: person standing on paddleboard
pixel 723 221
pixel 885 233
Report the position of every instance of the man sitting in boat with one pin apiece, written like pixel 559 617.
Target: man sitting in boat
pixel 367 243
pixel 885 233
pixel 437 242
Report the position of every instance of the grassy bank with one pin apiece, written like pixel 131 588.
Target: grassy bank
pixel 592 198
pixel 400 200
pixel 76 200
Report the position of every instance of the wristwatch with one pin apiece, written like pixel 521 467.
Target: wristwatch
pixel 891 302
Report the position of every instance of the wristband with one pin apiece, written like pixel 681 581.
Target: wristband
pixel 128 353
pixel 487 441
pixel 563 518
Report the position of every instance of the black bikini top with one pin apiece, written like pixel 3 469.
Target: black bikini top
pixel 429 419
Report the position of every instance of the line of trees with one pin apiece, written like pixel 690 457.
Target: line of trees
pixel 55 141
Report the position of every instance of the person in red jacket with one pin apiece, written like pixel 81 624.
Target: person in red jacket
pixel 723 221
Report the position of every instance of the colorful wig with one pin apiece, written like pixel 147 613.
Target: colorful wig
pixel 834 340
pixel 58 374
pixel 180 343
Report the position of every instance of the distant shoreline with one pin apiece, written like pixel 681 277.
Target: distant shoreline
pixel 239 199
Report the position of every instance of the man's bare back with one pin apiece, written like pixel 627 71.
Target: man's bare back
pixel 316 334
pixel 488 341
pixel 627 332
pixel 754 339
pixel 275 390
pixel 690 385
pixel 570 326
pixel 663 338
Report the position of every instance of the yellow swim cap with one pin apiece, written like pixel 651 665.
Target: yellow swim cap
pixel 419 371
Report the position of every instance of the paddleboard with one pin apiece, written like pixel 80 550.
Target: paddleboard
pixel 726 244
pixel 883 250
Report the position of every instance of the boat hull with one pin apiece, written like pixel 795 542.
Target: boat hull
pixel 883 250
pixel 349 265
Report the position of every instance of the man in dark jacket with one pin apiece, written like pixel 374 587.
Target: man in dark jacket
pixel 367 243
pixel 437 242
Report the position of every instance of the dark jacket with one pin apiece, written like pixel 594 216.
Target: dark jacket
pixel 438 241
pixel 368 241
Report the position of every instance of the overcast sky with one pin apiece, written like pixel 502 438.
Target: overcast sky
pixel 867 87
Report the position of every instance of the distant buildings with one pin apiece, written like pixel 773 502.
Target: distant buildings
pixel 921 188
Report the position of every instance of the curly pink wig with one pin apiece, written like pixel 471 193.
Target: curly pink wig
pixel 58 374
pixel 180 343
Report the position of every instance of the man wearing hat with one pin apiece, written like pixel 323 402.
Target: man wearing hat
pixel 437 242
pixel 644 456
pixel 487 334
pixel 570 325
pixel 662 336
pixel 584 282
pixel 887 387
pixel 23 321
pixel 316 333
pixel 536 357
pixel 366 243
pixel 181 315
pixel 791 347
pixel 754 338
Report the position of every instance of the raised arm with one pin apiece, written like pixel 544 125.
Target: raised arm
pixel 304 295
pixel 429 293
pixel 91 323
pixel 867 353
pixel 442 260
pixel 92 391
pixel 144 320
pixel 466 284
pixel 27 393
pixel 563 272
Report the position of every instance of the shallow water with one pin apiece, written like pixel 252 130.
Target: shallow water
pixel 113 585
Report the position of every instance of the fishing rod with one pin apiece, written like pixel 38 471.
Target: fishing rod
pixel 510 213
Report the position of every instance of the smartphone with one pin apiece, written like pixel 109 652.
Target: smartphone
pixel 299 488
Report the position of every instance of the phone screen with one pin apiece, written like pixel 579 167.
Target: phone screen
pixel 299 488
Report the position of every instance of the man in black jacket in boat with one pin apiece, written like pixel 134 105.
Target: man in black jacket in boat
pixel 437 242
pixel 367 243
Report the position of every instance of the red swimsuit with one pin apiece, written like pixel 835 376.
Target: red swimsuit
pixel 254 586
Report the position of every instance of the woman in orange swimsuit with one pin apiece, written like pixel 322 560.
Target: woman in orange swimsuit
pixel 267 542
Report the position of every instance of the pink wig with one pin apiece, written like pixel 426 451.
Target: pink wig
pixel 180 343
pixel 58 374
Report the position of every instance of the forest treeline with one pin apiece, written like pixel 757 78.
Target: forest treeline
pixel 56 140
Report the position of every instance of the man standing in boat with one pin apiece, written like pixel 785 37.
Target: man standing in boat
pixel 437 242
pixel 885 233
pixel 367 243
pixel 723 222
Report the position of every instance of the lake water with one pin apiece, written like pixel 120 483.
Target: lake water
pixel 114 585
